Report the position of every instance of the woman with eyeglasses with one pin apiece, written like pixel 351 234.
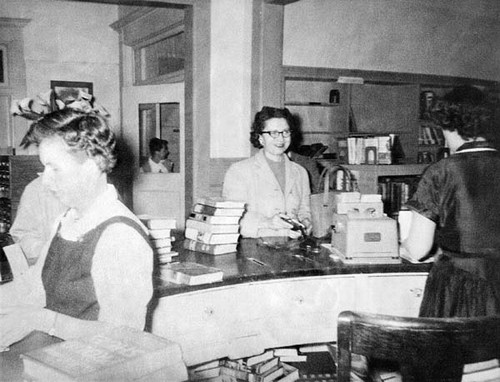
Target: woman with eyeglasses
pixel 269 183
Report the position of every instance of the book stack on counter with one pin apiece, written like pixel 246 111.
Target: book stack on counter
pixel 116 354
pixel 213 226
pixel 265 367
pixel 160 234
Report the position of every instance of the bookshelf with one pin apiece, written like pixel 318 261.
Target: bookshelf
pixel 385 103
pixel 368 176
pixel 396 191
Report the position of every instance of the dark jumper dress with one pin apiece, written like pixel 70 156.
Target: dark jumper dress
pixel 461 194
pixel 66 274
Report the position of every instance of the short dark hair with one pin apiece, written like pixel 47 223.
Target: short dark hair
pixel 87 132
pixel 266 113
pixel 465 109
pixel 156 144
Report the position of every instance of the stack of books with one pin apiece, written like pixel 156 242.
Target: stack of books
pixel 213 226
pixel 366 149
pixel 265 367
pixel 161 238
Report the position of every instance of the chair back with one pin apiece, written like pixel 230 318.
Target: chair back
pixel 426 349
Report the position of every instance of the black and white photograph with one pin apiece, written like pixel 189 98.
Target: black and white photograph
pixel 250 190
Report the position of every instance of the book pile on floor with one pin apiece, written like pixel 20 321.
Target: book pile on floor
pixel 116 354
pixel 265 367
pixel 190 273
pixel 307 363
pixel 161 238
pixel 213 226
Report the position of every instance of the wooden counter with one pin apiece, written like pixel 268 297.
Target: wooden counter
pixel 288 297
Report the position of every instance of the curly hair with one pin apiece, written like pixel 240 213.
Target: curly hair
pixel 465 109
pixel 81 131
pixel 265 114
pixel 469 120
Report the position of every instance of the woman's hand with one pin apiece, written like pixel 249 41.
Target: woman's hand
pixel 278 223
pixel 21 321
pixel 308 224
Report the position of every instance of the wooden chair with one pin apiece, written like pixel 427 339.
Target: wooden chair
pixel 426 349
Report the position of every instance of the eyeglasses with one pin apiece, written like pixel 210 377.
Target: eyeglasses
pixel 275 133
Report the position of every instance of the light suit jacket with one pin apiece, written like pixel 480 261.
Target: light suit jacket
pixel 253 182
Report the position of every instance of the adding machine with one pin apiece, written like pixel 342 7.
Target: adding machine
pixel 361 231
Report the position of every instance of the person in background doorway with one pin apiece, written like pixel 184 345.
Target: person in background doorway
pixel 158 162
pixel 269 182
pixel 35 217
pixel 456 205
pixel 96 271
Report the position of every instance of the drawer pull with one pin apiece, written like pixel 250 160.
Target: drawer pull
pixel 417 292
pixel 209 311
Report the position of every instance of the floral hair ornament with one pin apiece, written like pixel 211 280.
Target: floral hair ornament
pixel 44 103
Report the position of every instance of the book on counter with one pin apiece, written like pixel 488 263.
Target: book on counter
pixel 190 273
pixel 217 211
pixel 212 249
pixel 160 233
pixel 163 242
pixel 158 222
pixel 211 238
pixel 209 228
pixel 219 202
pixel 215 219
pixel 119 354
pixel 164 258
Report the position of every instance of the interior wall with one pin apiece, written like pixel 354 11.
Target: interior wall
pixel 69 41
pixel 230 73
pixel 443 37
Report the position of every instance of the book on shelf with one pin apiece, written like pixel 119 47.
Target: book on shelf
pixel 211 238
pixel 190 273
pixel 220 202
pixel 384 154
pixel 157 222
pixel 212 249
pixel 217 211
pixel 215 219
pixel 119 353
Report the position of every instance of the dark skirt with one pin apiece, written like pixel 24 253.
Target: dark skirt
pixel 462 287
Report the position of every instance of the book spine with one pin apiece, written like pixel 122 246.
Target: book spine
pixel 208 228
pixel 199 247
pixel 204 209
pixel 215 219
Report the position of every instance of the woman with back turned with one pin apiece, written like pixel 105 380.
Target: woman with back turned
pixel 96 270
pixel 456 206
